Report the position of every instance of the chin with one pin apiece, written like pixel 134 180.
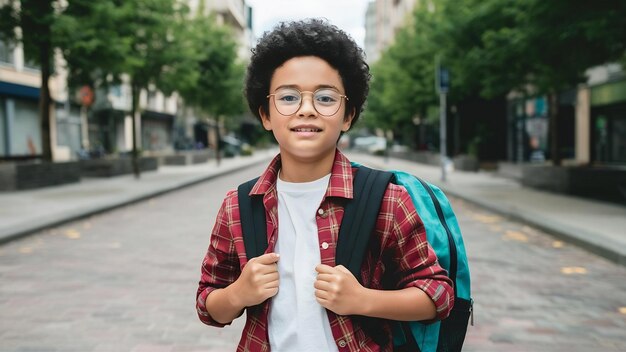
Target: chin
pixel 308 153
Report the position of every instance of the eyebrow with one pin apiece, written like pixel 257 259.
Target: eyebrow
pixel 295 86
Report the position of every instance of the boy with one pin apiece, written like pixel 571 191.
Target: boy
pixel 307 83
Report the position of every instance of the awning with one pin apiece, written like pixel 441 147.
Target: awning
pixel 18 90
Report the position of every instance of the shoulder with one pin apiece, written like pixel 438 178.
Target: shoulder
pixel 232 197
pixel 398 210
pixel 229 211
pixel 396 195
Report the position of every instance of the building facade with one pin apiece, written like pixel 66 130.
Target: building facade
pixel 383 19
pixel 106 126
pixel 591 122
pixel 20 131
pixel 192 127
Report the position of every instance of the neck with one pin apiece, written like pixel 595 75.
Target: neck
pixel 298 170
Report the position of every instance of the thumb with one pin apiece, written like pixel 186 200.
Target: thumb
pixel 267 258
pixel 343 269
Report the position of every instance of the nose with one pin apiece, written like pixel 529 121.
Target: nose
pixel 307 108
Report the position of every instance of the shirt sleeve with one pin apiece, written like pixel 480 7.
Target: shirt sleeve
pixel 417 264
pixel 220 266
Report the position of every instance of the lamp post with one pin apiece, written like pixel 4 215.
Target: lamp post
pixel 443 85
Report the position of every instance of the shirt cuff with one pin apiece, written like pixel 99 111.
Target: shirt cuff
pixel 440 293
pixel 203 314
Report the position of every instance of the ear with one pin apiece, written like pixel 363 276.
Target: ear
pixel 347 121
pixel 265 119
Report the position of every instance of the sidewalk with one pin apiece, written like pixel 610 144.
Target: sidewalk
pixel 596 226
pixel 24 212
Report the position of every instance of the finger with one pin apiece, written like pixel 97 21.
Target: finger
pixel 268 258
pixel 323 268
pixel 325 277
pixel 271 285
pixel 321 296
pixel 263 280
pixel 343 269
pixel 322 285
pixel 262 269
pixel 272 292
pixel 271 277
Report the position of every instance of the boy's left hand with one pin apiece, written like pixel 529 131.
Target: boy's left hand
pixel 336 289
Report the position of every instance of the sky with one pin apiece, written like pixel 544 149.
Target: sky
pixel 348 15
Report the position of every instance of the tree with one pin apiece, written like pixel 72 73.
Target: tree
pixel 218 85
pixel 29 22
pixel 403 86
pixel 537 47
pixel 159 55
pixel 87 33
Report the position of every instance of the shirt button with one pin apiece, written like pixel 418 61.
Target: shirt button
pixel 342 343
pixel 324 245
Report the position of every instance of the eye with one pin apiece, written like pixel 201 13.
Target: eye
pixel 288 97
pixel 327 97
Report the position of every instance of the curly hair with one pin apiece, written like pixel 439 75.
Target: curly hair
pixel 313 37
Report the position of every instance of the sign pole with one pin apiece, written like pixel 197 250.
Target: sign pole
pixel 443 84
pixel 442 134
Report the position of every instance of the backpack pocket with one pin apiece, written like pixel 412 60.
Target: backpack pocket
pixel 454 327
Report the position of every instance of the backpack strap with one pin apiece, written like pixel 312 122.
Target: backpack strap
pixel 359 218
pixel 252 217
pixel 451 245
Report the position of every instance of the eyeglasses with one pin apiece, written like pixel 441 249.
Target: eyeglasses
pixel 326 101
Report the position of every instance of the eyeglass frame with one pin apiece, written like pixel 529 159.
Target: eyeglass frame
pixel 342 96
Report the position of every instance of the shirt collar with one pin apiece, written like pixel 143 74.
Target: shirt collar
pixel 340 184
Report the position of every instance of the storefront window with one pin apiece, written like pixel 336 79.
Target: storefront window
pixel 618 140
pixel 609 136
pixel 3 136
pixel 6 53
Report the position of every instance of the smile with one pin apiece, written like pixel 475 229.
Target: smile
pixel 306 130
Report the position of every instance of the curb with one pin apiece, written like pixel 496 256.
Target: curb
pixel 574 236
pixel 24 231
pixel 580 238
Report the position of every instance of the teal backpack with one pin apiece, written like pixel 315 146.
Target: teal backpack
pixel 360 214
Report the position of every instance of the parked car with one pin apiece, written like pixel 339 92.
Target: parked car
pixel 370 144
pixel 231 146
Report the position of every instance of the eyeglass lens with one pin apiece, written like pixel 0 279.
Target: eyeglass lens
pixel 326 101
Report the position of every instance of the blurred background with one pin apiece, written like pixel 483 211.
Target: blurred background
pixel 106 104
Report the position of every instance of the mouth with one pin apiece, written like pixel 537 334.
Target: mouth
pixel 306 129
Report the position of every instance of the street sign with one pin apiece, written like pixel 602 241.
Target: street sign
pixel 443 80
pixel 85 96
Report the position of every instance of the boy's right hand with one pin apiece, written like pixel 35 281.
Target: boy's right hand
pixel 258 280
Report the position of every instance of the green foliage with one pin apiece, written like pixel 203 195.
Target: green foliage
pixel 87 34
pixel 403 84
pixel 544 46
pixel 491 48
pixel 35 18
pixel 217 88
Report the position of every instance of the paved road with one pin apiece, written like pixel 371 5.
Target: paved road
pixel 126 280
pixel 120 281
pixel 533 292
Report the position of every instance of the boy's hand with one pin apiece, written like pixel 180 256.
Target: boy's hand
pixel 336 289
pixel 258 280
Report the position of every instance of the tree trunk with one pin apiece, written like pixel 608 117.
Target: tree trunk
pixel 553 110
pixel 44 103
pixel 218 142
pixel 135 108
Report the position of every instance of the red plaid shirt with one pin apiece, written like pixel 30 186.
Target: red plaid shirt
pixel 398 250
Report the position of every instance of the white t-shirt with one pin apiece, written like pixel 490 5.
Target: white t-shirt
pixel 296 321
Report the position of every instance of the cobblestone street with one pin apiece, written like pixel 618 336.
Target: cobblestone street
pixel 126 280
